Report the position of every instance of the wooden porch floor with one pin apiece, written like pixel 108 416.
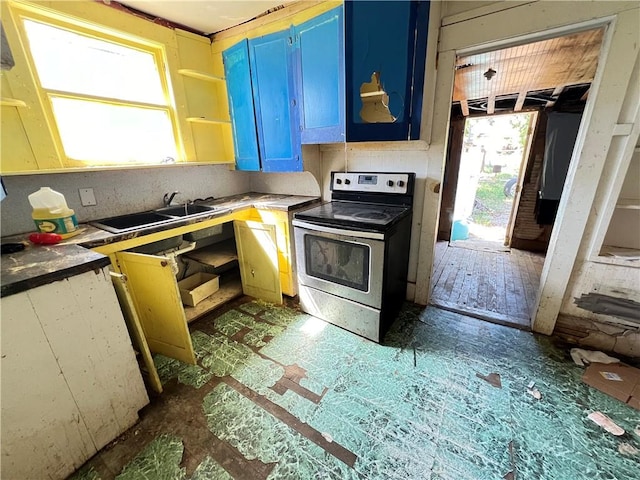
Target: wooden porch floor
pixel 490 284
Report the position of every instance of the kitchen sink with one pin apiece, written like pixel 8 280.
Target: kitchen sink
pixel 184 210
pixel 133 221
pixel 124 223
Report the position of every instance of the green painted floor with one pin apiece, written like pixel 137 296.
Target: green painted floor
pixel 278 394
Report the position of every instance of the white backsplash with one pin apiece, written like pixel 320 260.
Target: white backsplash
pixel 118 192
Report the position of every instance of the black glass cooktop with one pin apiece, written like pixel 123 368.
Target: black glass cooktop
pixel 369 216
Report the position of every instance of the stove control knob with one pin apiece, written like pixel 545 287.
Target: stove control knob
pixel 347 181
pixel 390 183
pixel 338 181
pixel 400 183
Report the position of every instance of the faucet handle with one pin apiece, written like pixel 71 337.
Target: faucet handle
pixel 167 199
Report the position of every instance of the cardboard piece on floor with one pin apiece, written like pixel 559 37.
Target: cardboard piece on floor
pixel 619 380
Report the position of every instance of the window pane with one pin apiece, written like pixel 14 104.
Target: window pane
pixel 76 63
pixel 107 134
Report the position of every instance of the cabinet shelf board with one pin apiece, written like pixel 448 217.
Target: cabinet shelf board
pixel 215 255
pixel 187 72
pixel 229 289
pixel 611 255
pixel 12 102
pixel 208 120
pixel 628 203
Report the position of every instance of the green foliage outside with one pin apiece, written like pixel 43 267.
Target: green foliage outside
pixel 492 207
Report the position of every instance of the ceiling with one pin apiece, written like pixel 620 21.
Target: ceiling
pixel 541 70
pixel 206 16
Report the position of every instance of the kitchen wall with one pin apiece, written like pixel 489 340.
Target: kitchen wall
pixel 118 192
pixel 305 183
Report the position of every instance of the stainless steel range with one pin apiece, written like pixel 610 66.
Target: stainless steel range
pixel 353 252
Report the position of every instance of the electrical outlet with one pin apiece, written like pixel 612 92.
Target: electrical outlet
pixel 87 197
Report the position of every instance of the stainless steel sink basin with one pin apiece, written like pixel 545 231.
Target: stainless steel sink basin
pixel 124 223
pixel 134 221
pixel 184 210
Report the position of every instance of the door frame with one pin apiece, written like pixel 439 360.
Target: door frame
pixel 469 33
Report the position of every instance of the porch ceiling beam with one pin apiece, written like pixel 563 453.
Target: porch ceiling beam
pixel 556 93
pixel 491 104
pixel 520 101
pixel 465 107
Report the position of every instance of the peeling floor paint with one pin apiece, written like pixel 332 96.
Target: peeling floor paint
pixel 279 394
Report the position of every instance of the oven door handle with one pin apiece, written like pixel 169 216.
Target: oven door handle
pixel 338 231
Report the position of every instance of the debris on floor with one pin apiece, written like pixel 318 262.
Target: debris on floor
pixel 618 380
pixel 327 437
pixel 585 357
pixel 605 422
pixel 628 449
pixel 492 379
pixel 535 393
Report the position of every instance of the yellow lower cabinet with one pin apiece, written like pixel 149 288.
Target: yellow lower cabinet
pixel 258 258
pixel 156 299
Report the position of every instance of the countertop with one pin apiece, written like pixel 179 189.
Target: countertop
pixel 39 265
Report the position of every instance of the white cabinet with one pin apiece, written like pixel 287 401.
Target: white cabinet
pixel 70 380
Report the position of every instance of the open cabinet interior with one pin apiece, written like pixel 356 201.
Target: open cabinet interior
pixel 621 239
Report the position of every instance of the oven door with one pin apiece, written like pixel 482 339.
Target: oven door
pixel 341 262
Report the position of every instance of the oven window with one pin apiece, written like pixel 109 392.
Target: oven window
pixel 336 261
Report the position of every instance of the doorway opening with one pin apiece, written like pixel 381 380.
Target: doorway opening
pixel 493 151
pixel 514 119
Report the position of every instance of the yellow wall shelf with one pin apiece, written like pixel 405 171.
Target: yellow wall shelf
pixel 12 102
pixel 207 120
pixel 187 72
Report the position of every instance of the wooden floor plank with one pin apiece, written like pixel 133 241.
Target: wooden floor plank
pixel 458 264
pixel 493 303
pixel 523 272
pixel 482 276
pixel 470 286
pixel 487 283
pixel 443 253
pixel 449 282
pixel 500 287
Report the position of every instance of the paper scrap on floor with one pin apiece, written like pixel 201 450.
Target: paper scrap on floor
pixel 585 357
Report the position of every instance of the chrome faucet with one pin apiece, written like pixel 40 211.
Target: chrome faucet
pixel 168 198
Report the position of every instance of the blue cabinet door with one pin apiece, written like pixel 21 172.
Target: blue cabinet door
pixel 319 54
pixel 272 78
pixel 243 122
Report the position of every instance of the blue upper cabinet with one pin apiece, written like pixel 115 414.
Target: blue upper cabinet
pixel 353 73
pixel 319 55
pixel 262 103
pixel 276 109
pixel 385 59
pixel 243 122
